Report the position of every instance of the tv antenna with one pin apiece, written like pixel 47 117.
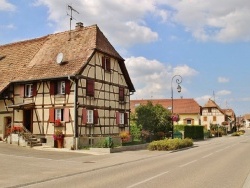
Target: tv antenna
pixel 71 17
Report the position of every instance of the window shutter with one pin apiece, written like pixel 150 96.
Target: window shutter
pixel 192 122
pixel 125 118
pixel 21 90
pixel 117 118
pixel 96 116
pixel 90 87
pixel 103 62
pixel 108 64
pixel 52 88
pixel 185 121
pixel 121 94
pixel 67 87
pixel 34 89
pixel 66 114
pixel 51 115
pixel 84 116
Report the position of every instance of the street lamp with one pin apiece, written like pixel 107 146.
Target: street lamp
pixel 178 80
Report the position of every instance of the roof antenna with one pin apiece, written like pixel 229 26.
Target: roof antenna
pixel 214 96
pixel 71 18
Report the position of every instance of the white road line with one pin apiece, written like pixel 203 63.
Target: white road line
pixel 207 155
pixel 188 163
pixel 146 180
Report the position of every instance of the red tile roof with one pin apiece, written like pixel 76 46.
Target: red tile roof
pixel 36 59
pixel 181 106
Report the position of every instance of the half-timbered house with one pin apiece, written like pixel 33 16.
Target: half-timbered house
pixel 73 81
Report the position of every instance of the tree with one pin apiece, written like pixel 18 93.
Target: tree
pixel 153 118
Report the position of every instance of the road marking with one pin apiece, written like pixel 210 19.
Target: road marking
pixel 146 180
pixel 188 163
pixel 207 155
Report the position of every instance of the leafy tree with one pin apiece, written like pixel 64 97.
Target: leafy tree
pixel 153 118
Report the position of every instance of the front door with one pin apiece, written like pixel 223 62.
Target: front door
pixel 7 125
pixel 28 119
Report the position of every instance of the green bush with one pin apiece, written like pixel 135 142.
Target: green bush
pixel 194 132
pixel 179 127
pixel 170 144
pixel 135 131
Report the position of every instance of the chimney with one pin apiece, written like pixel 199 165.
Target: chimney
pixel 79 25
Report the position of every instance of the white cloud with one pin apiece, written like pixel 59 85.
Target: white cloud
pixel 125 23
pixel 9 26
pixel 122 23
pixel 152 78
pixel 223 80
pixel 6 6
pixel 223 92
pixel 224 21
pixel 202 100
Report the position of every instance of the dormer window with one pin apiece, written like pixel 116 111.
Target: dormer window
pixel 106 63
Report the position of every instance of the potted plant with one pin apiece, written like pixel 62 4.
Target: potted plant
pixel 125 136
pixel 58 138
pixel 175 117
pixel 57 122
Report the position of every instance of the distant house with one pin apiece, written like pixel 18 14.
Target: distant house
pixel 245 120
pixel 189 110
pixel 213 114
pixel 75 78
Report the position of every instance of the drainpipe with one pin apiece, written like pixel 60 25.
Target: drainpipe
pixel 76 114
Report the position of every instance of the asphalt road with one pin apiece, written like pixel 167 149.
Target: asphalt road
pixel 219 162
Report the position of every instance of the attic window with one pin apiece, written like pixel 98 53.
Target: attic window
pixel 106 63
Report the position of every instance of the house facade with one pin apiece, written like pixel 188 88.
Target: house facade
pixel 73 81
pixel 244 121
pixel 188 110
pixel 213 114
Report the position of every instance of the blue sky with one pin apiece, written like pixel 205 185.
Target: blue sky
pixel 207 43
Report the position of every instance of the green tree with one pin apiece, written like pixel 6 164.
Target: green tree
pixel 153 118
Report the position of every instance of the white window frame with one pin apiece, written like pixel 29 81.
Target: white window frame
pixel 59 114
pixel 121 118
pixel 28 90
pixel 61 87
pixel 90 116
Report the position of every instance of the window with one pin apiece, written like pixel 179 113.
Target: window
pixel 89 116
pixel 61 87
pixel 189 122
pixel 209 110
pixel 62 114
pixel 121 118
pixel 29 90
pixel 214 118
pixel 121 94
pixel 90 88
pixel 205 118
pixel 58 114
pixel 106 63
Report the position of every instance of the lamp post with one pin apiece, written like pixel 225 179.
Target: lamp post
pixel 178 80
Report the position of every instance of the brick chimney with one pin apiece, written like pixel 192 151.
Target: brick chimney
pixel 79 25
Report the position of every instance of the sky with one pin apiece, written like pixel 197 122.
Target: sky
pixel 207 43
